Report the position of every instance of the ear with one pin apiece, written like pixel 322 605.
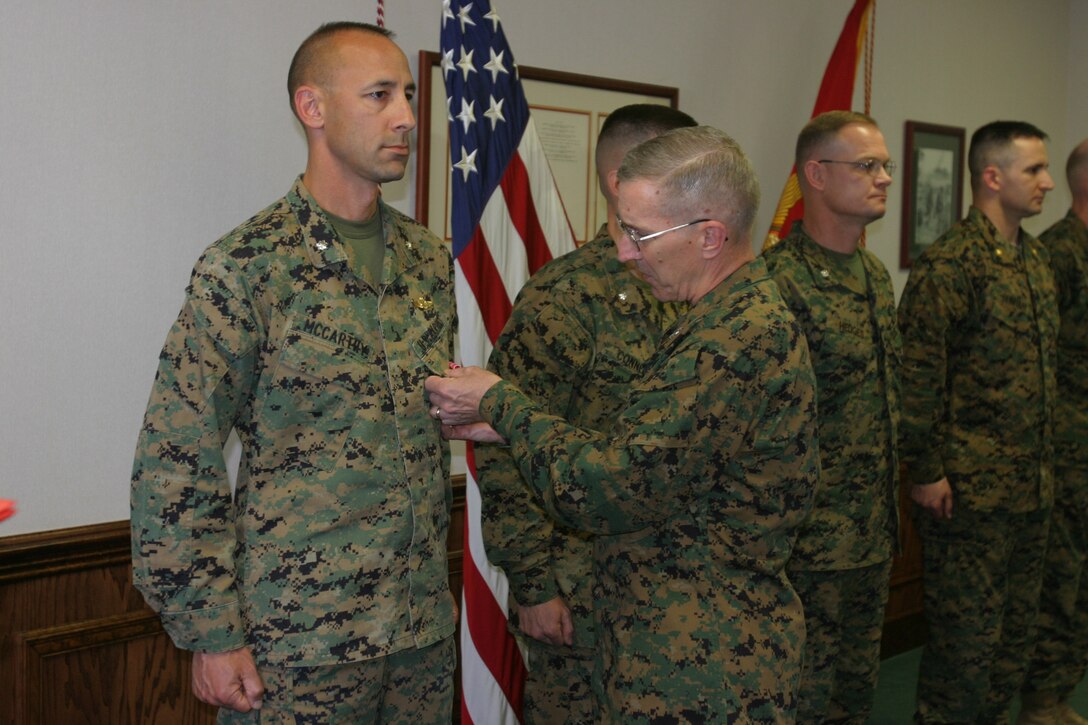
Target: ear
pixel 309 106
pixel 991 178
pixel 813 172
pixel 614 183
pixel 715 237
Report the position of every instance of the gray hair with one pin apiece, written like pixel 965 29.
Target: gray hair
pixel 702 172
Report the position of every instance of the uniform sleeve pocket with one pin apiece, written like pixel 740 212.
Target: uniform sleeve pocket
pixel 662 408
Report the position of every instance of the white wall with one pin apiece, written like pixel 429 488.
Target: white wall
pixel 135 133
pixel 1077 82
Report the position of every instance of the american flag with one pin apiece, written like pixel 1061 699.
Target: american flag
pixel 507 221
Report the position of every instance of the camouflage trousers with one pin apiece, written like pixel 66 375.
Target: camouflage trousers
pixel 844 620
pixel 982 573
pixel 559 684
pixel 410 687
pixel 1061 644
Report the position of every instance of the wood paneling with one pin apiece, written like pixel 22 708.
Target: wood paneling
pixel 904 627
pixel 121 669
pixel 78 644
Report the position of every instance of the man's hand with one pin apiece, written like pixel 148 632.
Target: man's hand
pixel 549 622
pixel 936 498
pixel 227 679
pixel 455 398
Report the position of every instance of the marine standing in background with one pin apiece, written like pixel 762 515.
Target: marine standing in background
pixel 580 332
pixel 1061 644
pixel 843 299
pixel 707 471
pixel 319 591
pixel 979 318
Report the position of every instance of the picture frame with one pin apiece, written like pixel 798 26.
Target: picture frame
pixel 568 110
pixel 932 185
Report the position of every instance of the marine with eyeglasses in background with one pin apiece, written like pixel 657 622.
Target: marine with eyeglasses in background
pixel 842 297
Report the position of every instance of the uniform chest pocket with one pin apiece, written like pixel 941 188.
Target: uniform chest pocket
pixel 844 345
pixel 310 402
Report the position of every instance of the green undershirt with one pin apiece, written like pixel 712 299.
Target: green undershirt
pixel 364 243
pixel 849 270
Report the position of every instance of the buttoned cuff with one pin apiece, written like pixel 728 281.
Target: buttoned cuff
pixel 926 470
pixel 215 629
pixel 500 406
pixel 533 586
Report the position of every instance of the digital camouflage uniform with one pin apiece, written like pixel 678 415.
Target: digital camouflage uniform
pixel 333 549
pixel 979 319
pixel 578 337
pixel 700 484
pixel 1061 650
pixel 842 559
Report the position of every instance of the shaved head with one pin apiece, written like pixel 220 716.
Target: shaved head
pixel 316 59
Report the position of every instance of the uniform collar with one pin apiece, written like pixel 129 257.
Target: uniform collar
pixel 323 246
pixel 629 294
pixel 820 262
pixel 1001 250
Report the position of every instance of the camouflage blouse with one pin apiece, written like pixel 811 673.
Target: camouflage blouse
pixel 853 337
pixel 979 318
pixel 333 547
pixel 580 333
pixel 1067 241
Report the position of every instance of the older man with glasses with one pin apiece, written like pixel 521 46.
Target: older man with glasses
pixel 705 475
pixel 842 297
pixel 580 332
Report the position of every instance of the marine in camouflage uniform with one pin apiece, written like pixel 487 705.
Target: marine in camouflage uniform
pixel 329 561
pixel 1061 648
pixel 703 478
pixel 842 298
pixel 979 320
pixel 842 558
pixel 579 335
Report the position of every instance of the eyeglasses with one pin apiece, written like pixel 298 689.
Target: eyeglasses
pixel 871 167
pixel 638 237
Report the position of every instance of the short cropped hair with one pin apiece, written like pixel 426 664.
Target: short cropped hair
pixel 629 126
pixel 702 171
pixel 991 145
pixel 1076 167
pixel 310 64
pixel 823 128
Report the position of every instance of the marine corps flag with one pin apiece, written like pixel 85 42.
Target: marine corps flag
pixel 836 94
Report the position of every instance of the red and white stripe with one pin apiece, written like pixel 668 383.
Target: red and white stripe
pixel 524 225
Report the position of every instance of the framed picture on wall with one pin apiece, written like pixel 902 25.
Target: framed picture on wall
pixel 932 185
pixel 568 110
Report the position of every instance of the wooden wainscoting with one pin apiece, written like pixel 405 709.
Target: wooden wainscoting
pixel 78 645
pixel 904 626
